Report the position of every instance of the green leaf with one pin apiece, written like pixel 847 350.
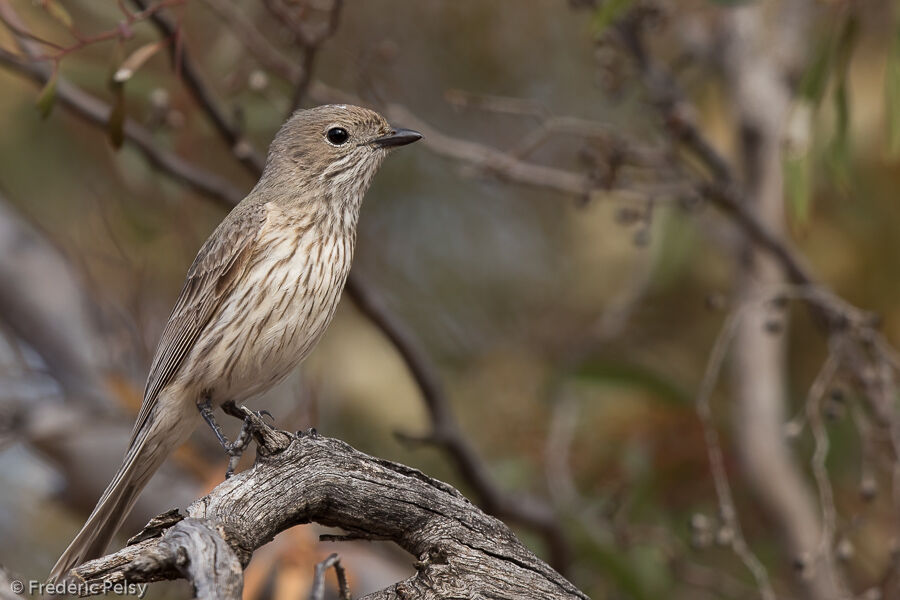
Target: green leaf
pixel 797 164
pixel 47 96
pixel 58 12
pixel 115 125
pixel 797 178
pixel 849 36
pixel 815 78
pixel 116 57
pixel 892 95
pixel 839 150
pixel 607 12
pixel 633 376
pixel 832 55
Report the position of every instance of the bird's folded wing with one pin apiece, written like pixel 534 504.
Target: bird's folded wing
pixel 219 265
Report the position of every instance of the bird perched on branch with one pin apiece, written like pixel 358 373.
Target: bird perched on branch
pixel 257 298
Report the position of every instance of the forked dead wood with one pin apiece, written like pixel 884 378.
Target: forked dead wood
pixel 460 552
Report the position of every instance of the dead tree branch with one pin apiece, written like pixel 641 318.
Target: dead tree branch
pixel 318 586
pixel 461 552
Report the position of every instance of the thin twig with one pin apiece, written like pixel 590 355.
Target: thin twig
pixel 318 586
pixel 446 434
pixel 820 472
pixel 254 41
pixel 311 45
pixel 184 63
pixel 717 459
pixel 96 112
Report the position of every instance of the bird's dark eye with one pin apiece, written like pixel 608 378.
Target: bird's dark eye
pixel 337 135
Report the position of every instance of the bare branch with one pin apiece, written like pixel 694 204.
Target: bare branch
pixel 445 432
pixel 492 161
pixel 727 508
pixel 318 586
pixel 255 42
pixel 308 41
pixel 461 551
pixel 762 99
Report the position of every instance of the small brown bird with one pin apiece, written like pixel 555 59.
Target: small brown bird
pixel 257 298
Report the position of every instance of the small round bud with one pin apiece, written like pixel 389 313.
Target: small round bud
pixel 716 301
pixel 242 149
pixel 724 536
pixel 833 410
pixel 258 80
pixel 780 302
pixel 872 593
pixel 388 51
pixel 627 215
pixel 844 550
pixel 159 99
pixel 699 522
pixel 126 31
pixel 874 320
pixel 701 540
pixel 641 237
pixel 800 564
pixel 727 513
pixel 868 488
pixel 792 430
pixel 175 119
pixel 774 326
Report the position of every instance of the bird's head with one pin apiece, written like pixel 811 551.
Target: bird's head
pixel 331 152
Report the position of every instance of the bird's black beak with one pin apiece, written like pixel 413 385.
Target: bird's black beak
pixel 397 137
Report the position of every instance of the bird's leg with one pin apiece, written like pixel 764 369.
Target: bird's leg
pixel 206 411
pixel 236 448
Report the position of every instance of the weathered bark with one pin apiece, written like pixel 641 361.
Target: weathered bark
pixel 461 552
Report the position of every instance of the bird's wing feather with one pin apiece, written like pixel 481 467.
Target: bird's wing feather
pixel 219 264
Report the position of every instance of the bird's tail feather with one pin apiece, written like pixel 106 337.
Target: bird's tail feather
pixel 149 449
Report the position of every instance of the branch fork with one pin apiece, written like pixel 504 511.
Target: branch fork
pixel 300 478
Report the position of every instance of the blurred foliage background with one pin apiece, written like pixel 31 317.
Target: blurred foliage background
pixel 560 327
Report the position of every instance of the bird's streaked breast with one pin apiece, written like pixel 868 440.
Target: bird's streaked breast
pixel 288 296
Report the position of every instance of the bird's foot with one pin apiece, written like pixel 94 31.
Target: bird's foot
pixel 234 449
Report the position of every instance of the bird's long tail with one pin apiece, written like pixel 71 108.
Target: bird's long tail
pixel 151 445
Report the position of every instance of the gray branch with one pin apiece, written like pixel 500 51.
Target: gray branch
pixel 460 551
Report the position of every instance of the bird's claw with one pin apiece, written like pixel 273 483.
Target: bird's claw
pixel 234 449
